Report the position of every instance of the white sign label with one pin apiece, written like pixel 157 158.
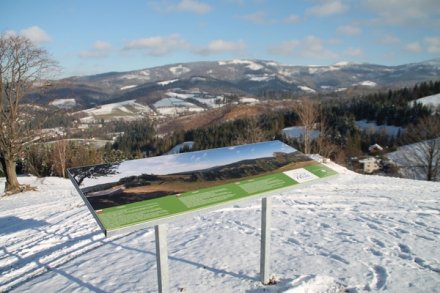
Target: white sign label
pixel 301 175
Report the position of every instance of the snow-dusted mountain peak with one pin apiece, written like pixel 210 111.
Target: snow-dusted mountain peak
pixel 238 77
pixel 253 65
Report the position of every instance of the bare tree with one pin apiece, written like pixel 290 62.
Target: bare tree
pixel 308 113
pixel 424 153
pixel 60 155
pixel 21 65
pixel 326 148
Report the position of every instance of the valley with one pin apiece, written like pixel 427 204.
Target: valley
pixel 129 115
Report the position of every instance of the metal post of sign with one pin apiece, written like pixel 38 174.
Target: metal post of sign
pixel 266 218
pixel 162 258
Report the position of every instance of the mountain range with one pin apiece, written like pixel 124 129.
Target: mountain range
pixel 240 78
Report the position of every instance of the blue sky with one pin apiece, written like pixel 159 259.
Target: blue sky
pixel 95 36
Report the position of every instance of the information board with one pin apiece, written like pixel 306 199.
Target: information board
pixel 142 192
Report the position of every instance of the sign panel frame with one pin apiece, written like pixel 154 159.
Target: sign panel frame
pixel 261 170
pixel 226 175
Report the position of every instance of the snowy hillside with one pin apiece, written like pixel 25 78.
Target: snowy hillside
pixel 409 158
pixel 357 232
pixel 123 110
pixel 236 77
pixel 433 100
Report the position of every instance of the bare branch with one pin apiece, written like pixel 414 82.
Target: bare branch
pixel 308 113
pixel 424 152
pixel 21 64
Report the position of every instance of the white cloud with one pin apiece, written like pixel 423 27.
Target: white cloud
pixel 314 47
pixel 244 2
pixel 286 48
pixel 397 12
pixel 413 47
pixel 334 41
pixel 327 8
pixel 101 45
pixel 354 52
pixel 350 30
pixel 191 6
pixel 432 44
pixel 428 45
pixel 158 45
pixel 390 39
pixel 310 47
pixel 35 34
pixel 239 2
pixel 99 49
pixel 221 46
pixel 292 19
pixel 258 17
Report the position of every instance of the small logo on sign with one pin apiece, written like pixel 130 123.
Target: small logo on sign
pixel 301 175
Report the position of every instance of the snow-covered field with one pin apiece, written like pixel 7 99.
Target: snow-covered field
pixel 373 127
pixel 433 100
pixel 63 103
pixel 249 63
pixel 306 89
pixel 122 110
pixel 248 100
pixel 411 158
pixel 127 87
pixel 298 132
pixel 362 233
pixel 173 105
pixel 180 102
pixel 367 83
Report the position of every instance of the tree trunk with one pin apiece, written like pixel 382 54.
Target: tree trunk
pixel 429 173
pixel 307 141
pixel 12 184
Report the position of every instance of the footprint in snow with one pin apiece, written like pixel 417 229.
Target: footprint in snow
pixel 420 223
pixel 377 242
pixel 404 248
pixel 424 264
pixel 379 276
pixel 374 252
pixel 405 252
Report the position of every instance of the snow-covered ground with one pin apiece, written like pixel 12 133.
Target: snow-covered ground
pixel 127 87
pixel 122 110
pixel 211 102
pixel 175 105
pixel 167 82
pixel 264 77
pixel 249 100
pixel 306 89
pixel 179 70
pixel 298 132
pixel 411 158
pixel 177 149
pixel 367 83
pixel 373 127
pixel 180 95
pixel 433 100
pixel 63 103
pixel 249 63
pixel 362 233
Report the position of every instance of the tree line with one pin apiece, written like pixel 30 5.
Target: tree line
pixel 334 118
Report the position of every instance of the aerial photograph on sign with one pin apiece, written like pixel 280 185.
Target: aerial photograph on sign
pixel 141 190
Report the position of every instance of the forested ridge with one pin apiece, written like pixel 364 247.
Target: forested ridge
pixel 137 139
